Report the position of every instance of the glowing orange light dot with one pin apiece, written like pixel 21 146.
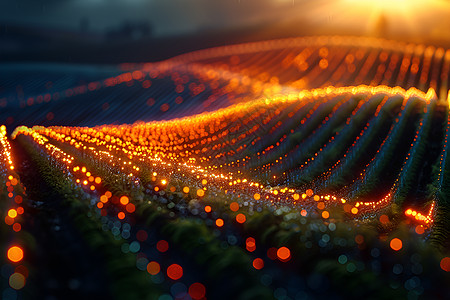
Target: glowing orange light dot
pixel 240 218
pixel 200 193
pixel 9 221
pixel 18 199
pixel 124 200
pixel 325 214
pixel 208 208
pixel 153 268
pixel 17 227
pixel 219 222
pixel 304 213
pixel 354 210
pixel 396 244
pixel 257 196
pixel 420 229
pixel 186 190
pixel 12 213
pixel 284 253
pixel 121 215
pixel 130 208
pixel 15 254
pixel 98 180
pixel 234 206
pixel 108 194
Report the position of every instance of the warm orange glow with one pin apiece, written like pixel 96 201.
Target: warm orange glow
pixel 12 213
pixel 9 220
pixel 325 214
pixel 124 200
pixel 17 227
pixel 186 190
pixel 234 206
pixel 15 254
pixel 284 253
pixel 153 268
pixel 208 208
pixel 219 222
pixel 420 229
pixel 396 244
pixel 130 208
pixel 121 215
pixel 240 218
pixel 200 193
pixel 420 218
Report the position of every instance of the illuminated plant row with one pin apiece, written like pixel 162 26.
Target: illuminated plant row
pixel 218 77
pixel 184 145
pixel 12 194
pixel 270 235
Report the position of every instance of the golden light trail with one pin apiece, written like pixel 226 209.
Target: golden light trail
pixel 119 146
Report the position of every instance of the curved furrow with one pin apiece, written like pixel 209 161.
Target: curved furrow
pixel 380 174
pixel 363 149
pixel 334 150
